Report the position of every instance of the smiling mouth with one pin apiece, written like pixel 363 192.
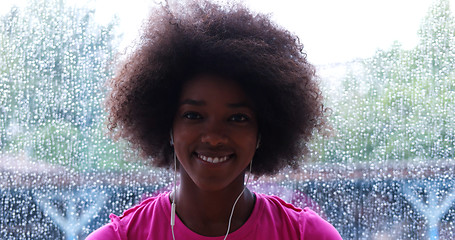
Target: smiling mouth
pixel 213 159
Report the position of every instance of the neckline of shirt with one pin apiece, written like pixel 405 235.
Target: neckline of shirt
pixel 241 233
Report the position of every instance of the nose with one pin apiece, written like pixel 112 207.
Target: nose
pixel 214 135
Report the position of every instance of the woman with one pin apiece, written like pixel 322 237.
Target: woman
pixel 217 93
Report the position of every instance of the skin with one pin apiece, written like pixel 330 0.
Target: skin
pixel 215 119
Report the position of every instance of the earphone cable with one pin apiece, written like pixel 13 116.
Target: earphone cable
pixel 233 207
pixel 173 197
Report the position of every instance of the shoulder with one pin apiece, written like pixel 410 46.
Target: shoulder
pixel 315 227
pixel 276 206
pixel 108 231
pixel 307 223
pixel 131 220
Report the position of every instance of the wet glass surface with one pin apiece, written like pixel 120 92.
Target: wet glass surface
pixel 385 170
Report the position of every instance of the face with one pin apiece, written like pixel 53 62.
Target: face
pixel 215 133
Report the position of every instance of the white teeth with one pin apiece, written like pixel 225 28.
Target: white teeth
pixel 213 159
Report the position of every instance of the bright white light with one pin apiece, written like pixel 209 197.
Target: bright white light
pixel 332 31
pixel 338 31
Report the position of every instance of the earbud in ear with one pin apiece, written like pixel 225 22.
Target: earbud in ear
pixel 258 143
pixel 172 138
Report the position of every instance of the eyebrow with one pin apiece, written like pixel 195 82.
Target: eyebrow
pixel 193 102
pixel 203 103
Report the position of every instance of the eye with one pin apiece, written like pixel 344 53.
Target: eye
pixel 239 117
pixel 192 115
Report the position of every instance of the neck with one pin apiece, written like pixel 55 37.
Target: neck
pixel 207 212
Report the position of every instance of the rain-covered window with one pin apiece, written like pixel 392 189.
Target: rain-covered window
pixel 384 170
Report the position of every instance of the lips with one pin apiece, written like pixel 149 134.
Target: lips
pixel 214 159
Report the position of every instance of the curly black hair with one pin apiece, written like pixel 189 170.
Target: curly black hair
pixel 228 41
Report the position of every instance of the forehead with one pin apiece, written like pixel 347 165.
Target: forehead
pixel 204 87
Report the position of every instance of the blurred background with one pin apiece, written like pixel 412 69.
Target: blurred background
pixel 386 170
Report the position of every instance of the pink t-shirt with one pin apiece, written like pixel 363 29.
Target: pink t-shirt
pixel 272 218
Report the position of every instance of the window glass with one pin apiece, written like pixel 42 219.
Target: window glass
pixel 383 169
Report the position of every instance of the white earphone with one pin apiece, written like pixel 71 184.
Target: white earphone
pixel 258 143
pixel 172 138
pixel 175 187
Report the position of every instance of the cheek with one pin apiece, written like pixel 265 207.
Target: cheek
pixel 248 141
pixel 184 139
